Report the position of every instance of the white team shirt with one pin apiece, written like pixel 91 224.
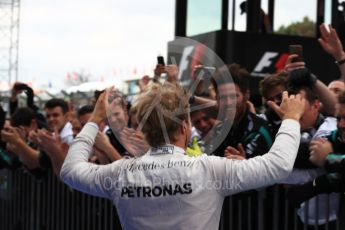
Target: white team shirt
pixel 66 134
pixel 166 189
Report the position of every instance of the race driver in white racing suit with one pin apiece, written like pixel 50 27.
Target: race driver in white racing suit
pixel 164 188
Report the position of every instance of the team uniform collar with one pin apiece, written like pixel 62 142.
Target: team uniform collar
pixel 166 149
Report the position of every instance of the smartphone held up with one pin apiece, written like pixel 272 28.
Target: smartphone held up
pixel 298 50
pixel 160 60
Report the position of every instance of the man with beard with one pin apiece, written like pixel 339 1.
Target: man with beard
pixel 249 133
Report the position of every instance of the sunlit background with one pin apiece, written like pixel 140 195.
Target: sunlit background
pixel 113 40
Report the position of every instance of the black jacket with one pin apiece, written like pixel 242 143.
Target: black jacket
pixel 252 132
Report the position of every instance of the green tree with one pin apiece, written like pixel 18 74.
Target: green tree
pixel 304 28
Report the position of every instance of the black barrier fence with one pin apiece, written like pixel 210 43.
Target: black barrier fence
pixel 26 203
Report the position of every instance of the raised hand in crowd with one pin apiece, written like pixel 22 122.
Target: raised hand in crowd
pixel 210 87
pixel 300 76
pixel 170 70
pixel 12 137
pixel 158 71
pixel 143 83
pixel 319 149
pixel 236 154
pixel 52 145
pixel 134 141
pixel 331 43
pixel 12 134
pixel 290 66
pixel 16 143
pixel 292 107
pixel 172 73
pixel 18 88
pixel 99 114
pixel 104 148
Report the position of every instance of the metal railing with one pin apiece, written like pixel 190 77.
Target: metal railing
pixel 26 203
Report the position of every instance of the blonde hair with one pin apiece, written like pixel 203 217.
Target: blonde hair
pixel 160 112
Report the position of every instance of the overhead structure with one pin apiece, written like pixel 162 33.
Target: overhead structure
pixel 9 40
pixel 256 35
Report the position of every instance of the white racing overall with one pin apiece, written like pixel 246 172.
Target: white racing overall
pixel 166 189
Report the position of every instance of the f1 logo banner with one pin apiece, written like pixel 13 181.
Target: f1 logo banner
pixel 269 63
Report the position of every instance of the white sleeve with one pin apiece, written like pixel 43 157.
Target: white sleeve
pixel 301 176
pixel 77 172
pixel 240 175
pixel 66 134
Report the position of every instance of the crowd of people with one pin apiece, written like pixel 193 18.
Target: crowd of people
pixel 225 139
